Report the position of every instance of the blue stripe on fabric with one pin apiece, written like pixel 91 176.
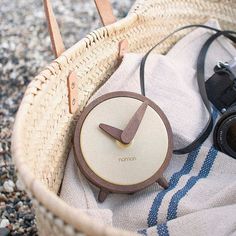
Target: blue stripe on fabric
pixel 205 169
pixel 142 231
pixel 162 230
pixel 203 173
pixel 208 163
pixel 153 213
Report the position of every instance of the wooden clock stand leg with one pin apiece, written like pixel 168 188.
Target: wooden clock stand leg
pixel 163 182
pixel 102 195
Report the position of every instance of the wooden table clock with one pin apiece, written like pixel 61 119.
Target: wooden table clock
pixel 123 143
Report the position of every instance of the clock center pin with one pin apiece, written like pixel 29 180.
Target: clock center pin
pixel 122 145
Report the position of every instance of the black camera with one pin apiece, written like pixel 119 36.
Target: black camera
pixel 221 91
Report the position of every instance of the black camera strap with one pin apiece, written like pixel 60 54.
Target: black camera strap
pixel 200 79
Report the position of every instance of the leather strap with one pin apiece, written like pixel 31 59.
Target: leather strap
pixel 105 11
pixel 55 35
pixel 200 79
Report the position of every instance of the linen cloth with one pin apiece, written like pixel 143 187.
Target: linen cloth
pixel 201 198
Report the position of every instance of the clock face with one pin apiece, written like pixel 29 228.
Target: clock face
pixel 123 142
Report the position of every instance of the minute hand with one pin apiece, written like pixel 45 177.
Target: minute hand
pixel 131 129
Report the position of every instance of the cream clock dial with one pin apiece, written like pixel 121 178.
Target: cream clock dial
pixel 123 143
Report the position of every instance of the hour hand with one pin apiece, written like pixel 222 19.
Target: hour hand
pixel 112 131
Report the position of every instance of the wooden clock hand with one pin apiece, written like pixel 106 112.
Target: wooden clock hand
pixel 112 131
pixel 132 127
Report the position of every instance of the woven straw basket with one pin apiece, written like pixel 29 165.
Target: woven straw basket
pixel 44 127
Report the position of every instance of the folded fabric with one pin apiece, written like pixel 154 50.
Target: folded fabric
pixel 201 197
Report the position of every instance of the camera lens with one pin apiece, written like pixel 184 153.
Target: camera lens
pixel 231 137
pixel 225 133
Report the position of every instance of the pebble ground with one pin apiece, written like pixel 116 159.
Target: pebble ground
pixel 24 51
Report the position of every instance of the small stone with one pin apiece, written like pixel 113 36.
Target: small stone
pixel 15 60
pixel 21 230
pixel 10 210
pixel 21 220
pixel 18 205
pixel 19 185
pixel 5 45
pixel 23 209
pixel 3 198
pixel 3 60
pixel 12 216
pixel 4 223
pixel 8 186
pixel 5 215
pixel 4 231
pixel 27 224
pixel 16 226
pixel 4 176
pixel 16 200
pixel 20 215
pixel 29 217
pixel 2 204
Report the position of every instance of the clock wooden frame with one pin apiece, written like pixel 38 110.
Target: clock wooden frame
pixel 104 186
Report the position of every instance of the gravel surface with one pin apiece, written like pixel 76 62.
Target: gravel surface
pixel 24 51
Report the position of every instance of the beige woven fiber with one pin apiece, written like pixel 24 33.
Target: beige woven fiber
pixel 44 127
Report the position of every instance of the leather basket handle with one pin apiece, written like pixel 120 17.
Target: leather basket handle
pixel 55 35
pixel 105 11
